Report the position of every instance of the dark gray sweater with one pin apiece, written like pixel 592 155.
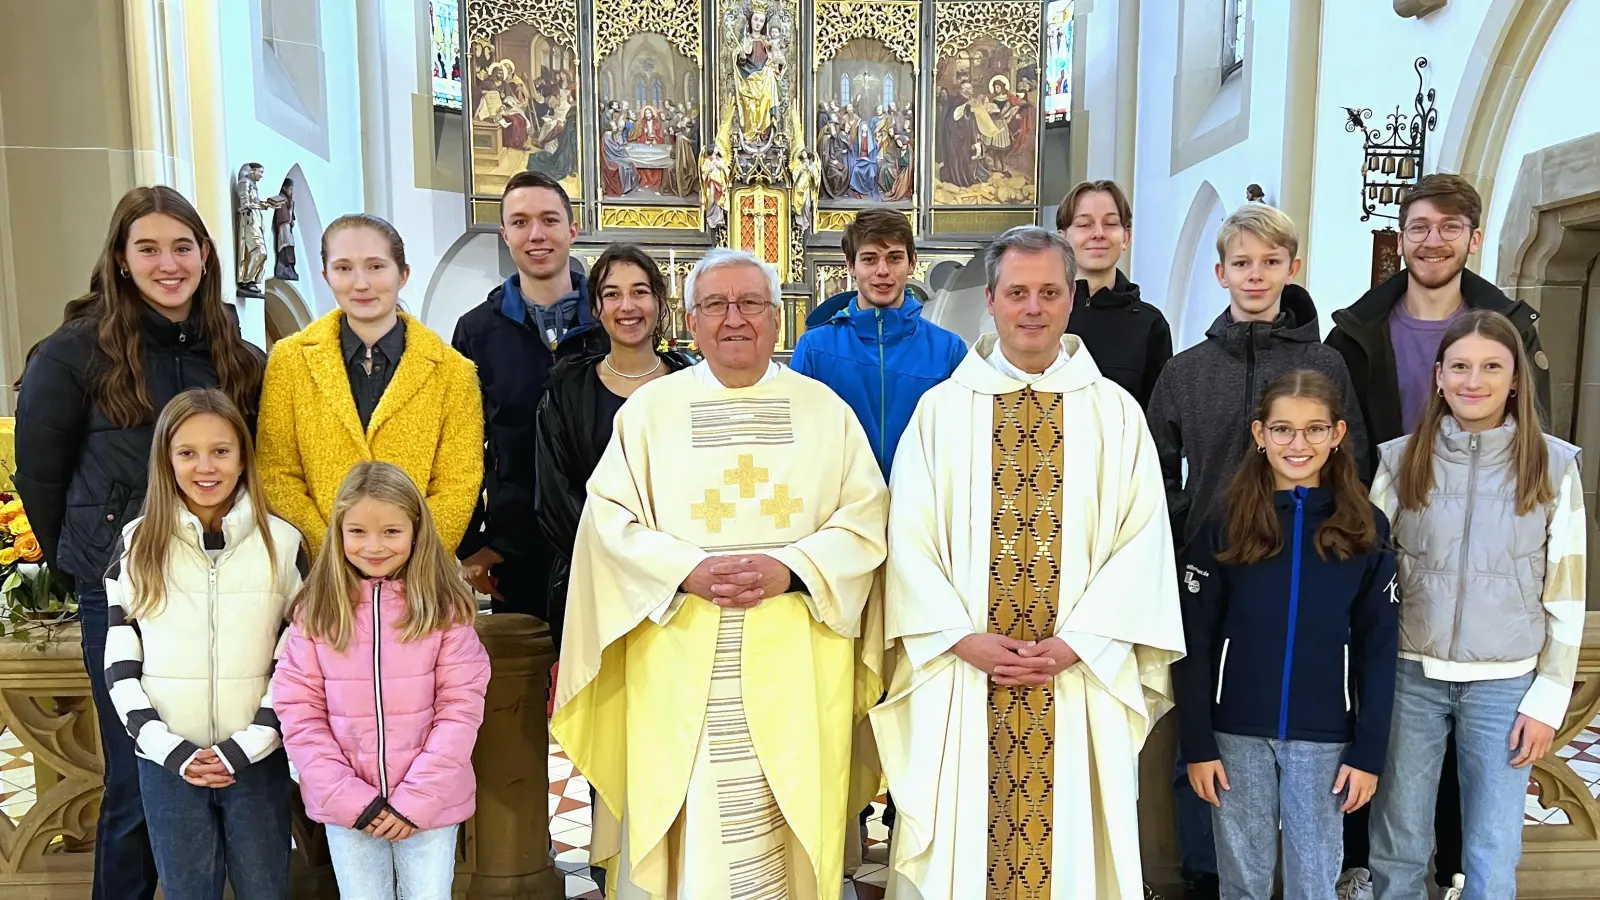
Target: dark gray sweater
pixel 1201 407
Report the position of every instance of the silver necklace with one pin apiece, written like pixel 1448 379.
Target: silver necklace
pixel 646 373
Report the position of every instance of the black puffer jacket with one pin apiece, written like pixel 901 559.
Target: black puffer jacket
pixel 1201 408
pixel 81 476
pixel 571 439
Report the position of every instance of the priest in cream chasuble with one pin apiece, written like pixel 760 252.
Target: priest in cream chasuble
pixel 709 681
pixel 1032 604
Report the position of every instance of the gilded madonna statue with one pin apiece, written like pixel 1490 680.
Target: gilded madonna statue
pixel 759 38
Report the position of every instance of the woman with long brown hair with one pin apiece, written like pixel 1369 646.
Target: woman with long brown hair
pixel 1284 697
pixel 628 296
pixel 84 422
pixel 1489 529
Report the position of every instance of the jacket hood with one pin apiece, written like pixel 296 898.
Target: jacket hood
pixel 896 323
pixel 1121 293
pixel 1297 322
pixel 1315 500
pixel 976 374
pixel 507 298
pixel 1373 307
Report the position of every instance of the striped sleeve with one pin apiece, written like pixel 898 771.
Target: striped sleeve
pixel 1565 570
pixel 264 734
pixel 124 670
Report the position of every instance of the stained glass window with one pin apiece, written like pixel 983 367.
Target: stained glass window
pixel 1057 87
pixel 444 17
pixel 888 88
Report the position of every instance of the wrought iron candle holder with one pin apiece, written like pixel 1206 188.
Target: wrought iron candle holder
pixel 1394 152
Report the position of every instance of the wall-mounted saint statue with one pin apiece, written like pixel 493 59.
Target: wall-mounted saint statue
pixel 250 240
pixel 283 267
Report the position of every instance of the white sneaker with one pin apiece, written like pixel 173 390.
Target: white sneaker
pixel 1457 885
pixel 1354 884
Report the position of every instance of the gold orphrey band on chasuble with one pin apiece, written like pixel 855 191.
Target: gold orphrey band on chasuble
pixel 1025 543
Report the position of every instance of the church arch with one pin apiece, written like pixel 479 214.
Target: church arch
pixel 1191 315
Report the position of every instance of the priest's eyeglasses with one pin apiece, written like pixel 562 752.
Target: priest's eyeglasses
pixel 748 307
pixel 1316 433
pixel 1417 232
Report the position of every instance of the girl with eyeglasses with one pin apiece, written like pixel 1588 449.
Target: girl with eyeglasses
pixel 1289 617
pixel 1489 531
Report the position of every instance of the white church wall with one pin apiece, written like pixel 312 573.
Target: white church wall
pixel 1552 110
pixel 261 127
pixel 1170 189
pixel 1366 62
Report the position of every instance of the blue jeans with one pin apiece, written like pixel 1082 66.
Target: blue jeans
pixel 1279 781
pixel 1196 844
pixel 1482 714
pixel 202 836
pixel 421 867
pixel 124 868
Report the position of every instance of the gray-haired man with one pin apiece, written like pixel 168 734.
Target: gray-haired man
pixel 708 671
pixel 1033 601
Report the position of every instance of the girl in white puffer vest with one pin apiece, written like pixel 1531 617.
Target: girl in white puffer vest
pixel 197 598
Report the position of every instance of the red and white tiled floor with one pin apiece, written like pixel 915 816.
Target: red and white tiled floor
pixel 569 829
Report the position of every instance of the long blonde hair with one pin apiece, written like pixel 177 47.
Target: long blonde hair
pixel 436 596
pixel 1530 457
pixel 163 499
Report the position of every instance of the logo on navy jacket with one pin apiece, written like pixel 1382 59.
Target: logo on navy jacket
pixel 1394 589
pixel 1190 579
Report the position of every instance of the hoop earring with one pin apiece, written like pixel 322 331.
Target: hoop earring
pixel 1513 392
pixel 1261 448
pixel 1336 448
pixel 1441 393
pixel 124 272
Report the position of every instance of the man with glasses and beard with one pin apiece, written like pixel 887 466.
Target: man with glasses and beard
pixel 1389 340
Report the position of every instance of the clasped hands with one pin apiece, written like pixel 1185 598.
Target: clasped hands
pixel 738 582
pixel 207 770
pixel 390 827
pixel 1017 663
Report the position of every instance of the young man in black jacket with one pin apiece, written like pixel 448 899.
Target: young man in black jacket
pixel 1389 340
pixel 1200 411
pixel 1128 338
pixel 1390 337
pixel 540 315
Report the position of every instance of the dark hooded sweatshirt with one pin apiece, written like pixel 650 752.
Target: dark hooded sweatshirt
pixel 1128 338
pixel 1202 405
pixel 1361 335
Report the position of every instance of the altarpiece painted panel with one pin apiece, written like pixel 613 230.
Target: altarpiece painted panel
pixel 522 92
pixel 986 115
pixel 866 57
pixel 649 100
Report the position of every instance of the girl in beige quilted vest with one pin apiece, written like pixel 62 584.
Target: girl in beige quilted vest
pixel 1489 531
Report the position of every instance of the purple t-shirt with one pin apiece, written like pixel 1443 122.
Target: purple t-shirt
pixel 1416 346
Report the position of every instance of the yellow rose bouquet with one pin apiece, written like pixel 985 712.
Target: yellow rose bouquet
pixel 29 597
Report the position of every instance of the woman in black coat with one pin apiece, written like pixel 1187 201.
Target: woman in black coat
pixel 89 399
pixel 629 297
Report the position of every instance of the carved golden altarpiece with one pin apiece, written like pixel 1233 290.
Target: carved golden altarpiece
pixel 759 124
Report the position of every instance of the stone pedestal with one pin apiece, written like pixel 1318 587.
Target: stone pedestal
pixel 508 841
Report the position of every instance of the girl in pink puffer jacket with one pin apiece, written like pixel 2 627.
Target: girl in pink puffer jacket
pixel 380 691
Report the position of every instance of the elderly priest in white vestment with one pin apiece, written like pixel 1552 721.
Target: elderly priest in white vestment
pixel 709 681
pixel 1033 603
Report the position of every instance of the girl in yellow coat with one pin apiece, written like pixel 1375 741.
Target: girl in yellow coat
pixel 369 382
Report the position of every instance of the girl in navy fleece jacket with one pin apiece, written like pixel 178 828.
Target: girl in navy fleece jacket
pixel 1290 617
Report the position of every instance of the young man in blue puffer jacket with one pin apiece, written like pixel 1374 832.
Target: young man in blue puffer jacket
pixel 877 352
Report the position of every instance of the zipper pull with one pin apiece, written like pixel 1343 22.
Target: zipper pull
pixel 1472 443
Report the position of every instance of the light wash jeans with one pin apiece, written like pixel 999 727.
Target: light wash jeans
pixel 421 867
pixel 1482 713
pixel 1288 782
